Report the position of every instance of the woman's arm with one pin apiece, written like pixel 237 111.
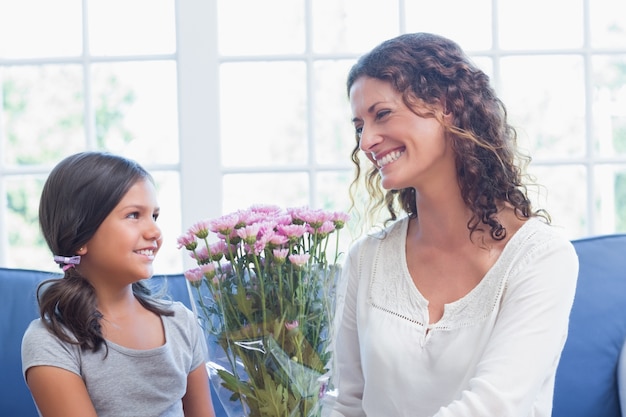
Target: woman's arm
pixel 348 372
pixel 197 400
pixel 59 393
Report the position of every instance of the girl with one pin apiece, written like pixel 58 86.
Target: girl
pixel 459 307
pixel 103 345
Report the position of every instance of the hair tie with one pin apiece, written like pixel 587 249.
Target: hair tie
pixel 66 262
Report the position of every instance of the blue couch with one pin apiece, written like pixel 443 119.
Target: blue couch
pixel 587 379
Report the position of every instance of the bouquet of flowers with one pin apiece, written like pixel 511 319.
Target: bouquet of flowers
pixel 264 292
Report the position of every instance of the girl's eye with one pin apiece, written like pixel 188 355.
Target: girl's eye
pixel 155 216
pixel 133 215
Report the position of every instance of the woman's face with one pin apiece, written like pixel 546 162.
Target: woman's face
pixel 408 150
pixel 126 243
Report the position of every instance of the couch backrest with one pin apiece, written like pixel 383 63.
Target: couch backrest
pixel 586 380
pixel 18 306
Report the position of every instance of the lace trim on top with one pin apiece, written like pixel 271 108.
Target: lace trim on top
pixel 392 289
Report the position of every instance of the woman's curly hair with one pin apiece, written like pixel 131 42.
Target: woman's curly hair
pixel 430 71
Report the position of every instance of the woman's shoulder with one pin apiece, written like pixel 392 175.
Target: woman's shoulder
pixel 539 239
pixel 387 231
pixel 538 231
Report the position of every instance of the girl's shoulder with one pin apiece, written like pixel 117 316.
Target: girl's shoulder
pixel 38 332
pixel 182 317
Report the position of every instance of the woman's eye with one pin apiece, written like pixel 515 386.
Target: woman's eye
pixel 133 215
pixel 382 114
pixel 155 216
pixel 359 131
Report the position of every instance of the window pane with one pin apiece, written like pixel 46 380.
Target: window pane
pixel 42 113
pixel 485 64
pixel 540 24
pixel 120 27
pixel 37 29
pixel 610 199
pixel 609 105
pixel 334 134
pixel 281 189
pixel 135 109
pixel 263 114
pixel 436 17
pixel 608 23
pixel 27 248
pixel 353 26
pixel 545 97
pixel 333 190
pixel 169 259
pixel 253 27
pixel 562 191
pixel 333 195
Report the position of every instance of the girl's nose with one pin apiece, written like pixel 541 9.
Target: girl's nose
pixel 153 231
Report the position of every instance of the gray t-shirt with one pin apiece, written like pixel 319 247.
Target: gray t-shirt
pixel 127 382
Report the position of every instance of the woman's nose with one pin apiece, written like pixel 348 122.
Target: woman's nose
pixel 368 138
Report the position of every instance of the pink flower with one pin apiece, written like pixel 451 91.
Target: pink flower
pixel 266 226
pixel 283 219
pixel 290 325
pixel 249 233
pixel 315 218
pixel 208 270
pixel 225 270
pixel 201 255
pixel 340 219
pixel 225 224
pixel 249 217
pixel 218 250
pixel 326 228
pixel 231 238
pixel 194 276
pixel 268 210
pixel 200 229
pixel 292 231
pixel 278 240
pixel 257 247
pixel 299 259
pixel 272 238
pixel 187 240
pixel 280 255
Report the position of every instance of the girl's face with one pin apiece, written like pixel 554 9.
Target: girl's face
pixel 127 241
pixel 408 150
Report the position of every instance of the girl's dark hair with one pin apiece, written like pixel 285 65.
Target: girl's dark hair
pixel 78 195
pixel 430 71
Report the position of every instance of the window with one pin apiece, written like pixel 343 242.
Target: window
pixel 231 103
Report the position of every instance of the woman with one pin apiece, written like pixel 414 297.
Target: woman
pixel 460 306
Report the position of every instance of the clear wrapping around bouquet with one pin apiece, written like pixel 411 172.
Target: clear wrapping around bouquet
pixel 269 356
pixel 264 291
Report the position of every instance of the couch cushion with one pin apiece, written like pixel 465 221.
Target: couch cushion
pixel 586 380
pixel 18 304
